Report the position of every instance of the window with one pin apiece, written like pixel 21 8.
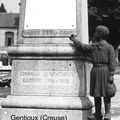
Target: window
pixel 9 38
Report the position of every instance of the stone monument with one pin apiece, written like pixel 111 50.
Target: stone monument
pixel 49 75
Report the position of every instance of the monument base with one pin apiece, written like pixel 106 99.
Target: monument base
pixel 45 108
pixel 48 83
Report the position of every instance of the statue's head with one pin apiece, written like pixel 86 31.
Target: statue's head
pixel 101 32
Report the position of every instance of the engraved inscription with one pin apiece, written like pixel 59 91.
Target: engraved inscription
pixel 37 33
pixel 41 77
pixel 46 77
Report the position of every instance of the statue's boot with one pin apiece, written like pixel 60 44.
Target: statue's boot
pixel 107 102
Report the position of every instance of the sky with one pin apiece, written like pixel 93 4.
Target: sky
pixel 11 5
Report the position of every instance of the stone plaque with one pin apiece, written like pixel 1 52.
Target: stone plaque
pixel 50 14
pixel 43 77
pixel 41 114
pixel 49 18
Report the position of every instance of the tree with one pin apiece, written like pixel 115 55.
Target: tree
pixel 2 8
pixel 105 12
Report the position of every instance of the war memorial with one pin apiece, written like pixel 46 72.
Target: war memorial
pixel 50 77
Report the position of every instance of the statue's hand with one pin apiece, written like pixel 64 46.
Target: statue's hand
pixel 72 37
pixel 111 79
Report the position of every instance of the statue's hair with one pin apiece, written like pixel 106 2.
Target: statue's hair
pixel 103 31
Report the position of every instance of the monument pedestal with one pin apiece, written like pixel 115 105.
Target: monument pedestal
pixel 49 75
pixel 48 83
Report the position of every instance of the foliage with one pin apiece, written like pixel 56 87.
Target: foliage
pixel 2 8
pixel 105 12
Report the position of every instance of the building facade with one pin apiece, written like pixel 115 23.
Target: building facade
pixel 8 29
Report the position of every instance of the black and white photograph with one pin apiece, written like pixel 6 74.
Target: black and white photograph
pixel 59 59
